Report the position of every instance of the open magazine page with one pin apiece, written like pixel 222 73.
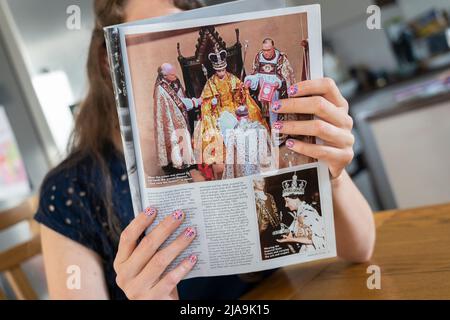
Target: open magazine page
pixel 114 49
pixel 200 96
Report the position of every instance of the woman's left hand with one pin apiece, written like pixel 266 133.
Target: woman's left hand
pixel 323 99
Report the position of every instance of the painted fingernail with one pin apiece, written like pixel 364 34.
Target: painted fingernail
pixel 150 212
pixel 290 143
pixel 189 232
pixel 178 215
pixel 293 90
pixel 278 125
pixel 193 259
pixel 276 106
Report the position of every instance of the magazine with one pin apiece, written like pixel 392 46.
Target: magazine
pixel 195 93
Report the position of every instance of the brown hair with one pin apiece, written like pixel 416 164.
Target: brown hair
pixel 97 124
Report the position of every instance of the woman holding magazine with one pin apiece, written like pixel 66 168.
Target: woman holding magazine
pixel 86 213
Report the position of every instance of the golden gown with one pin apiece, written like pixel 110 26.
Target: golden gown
pixel 229 93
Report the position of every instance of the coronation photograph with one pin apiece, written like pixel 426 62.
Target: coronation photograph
pixel 289 214
pixel 204 98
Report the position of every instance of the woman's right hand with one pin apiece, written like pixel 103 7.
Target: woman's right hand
pixel 139 267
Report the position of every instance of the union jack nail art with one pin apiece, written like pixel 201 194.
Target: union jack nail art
pixel 189 232
pixel 150 212
pixel 276 106
pixel 278 125
pixel 290 144
pixel 177 215
pixel 193 259
pixel 293 90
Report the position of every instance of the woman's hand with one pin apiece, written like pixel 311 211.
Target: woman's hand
pixel 139 267
pixel 323 99
pixel 353 217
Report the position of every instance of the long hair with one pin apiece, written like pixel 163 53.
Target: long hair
pixel 97 123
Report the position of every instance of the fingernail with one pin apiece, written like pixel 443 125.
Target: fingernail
pixel 293 90
pixel 193 259
pixel 276 106
pixel 189 232
pixel 290 143
pixel 278 125
pixel 150 212
pixel 178 215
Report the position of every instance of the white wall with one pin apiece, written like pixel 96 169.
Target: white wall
pixel 344 24
pixel 357 45
pixel 49 44
pixel 337 13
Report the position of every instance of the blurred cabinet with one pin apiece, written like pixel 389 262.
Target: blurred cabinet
pixel 407 149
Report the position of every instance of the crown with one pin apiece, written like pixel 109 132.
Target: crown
pixel 218 58
pixel 294 187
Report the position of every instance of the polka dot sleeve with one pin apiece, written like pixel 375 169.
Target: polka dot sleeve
pixel 64 207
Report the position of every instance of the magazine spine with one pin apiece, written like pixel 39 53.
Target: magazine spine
pixel 114 52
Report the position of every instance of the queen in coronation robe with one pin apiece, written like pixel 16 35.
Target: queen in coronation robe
pixel 307 231
pixel 172 132
pixel 222 92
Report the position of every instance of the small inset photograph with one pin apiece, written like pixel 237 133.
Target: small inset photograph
pixel 289 215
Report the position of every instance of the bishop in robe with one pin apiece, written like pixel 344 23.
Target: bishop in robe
pixel 171 123
pixel 272 76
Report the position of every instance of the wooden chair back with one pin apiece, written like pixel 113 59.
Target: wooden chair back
pixel 12 258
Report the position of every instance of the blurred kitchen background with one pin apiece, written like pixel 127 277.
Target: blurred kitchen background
pixel 396 78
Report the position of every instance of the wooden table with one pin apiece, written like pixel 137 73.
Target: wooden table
pixel 412 250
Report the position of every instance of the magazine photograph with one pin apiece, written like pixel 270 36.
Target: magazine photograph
pixel 289 216
pixel 202 94
pixel 224 150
